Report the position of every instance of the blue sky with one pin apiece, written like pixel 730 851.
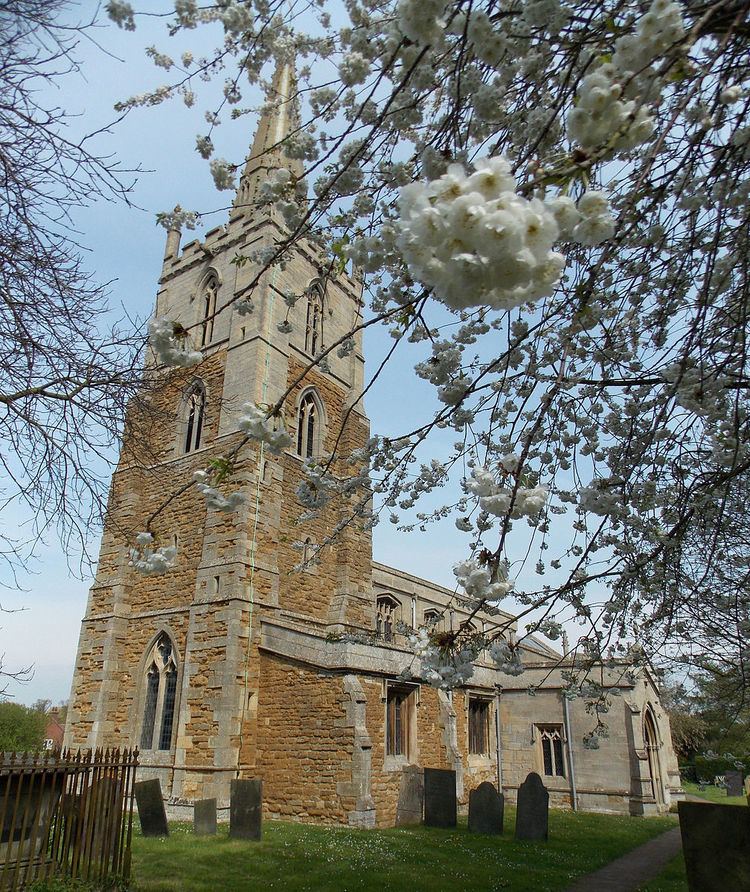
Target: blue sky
pixel 125 246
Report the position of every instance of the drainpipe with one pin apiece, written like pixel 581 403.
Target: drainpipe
pixel 569 742
pixel 498 751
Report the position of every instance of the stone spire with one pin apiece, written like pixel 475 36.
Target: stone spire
pixel 279 119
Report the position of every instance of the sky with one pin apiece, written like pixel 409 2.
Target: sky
pixel 124 246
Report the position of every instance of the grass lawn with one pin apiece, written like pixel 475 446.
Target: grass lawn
pixel 301 856
pixel 713 794
pixel 671 879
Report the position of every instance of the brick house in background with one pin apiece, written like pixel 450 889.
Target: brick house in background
pixel 54 731
pixel 233 664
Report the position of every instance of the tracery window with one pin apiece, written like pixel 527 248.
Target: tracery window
pixel 314 322
pixel 160 695
pixel 210 290
pixel 433 618
pixel 307 426
pixel 551 740
pixel 387 616
pixel 195 411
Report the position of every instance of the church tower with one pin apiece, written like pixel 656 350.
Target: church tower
pixel 172 663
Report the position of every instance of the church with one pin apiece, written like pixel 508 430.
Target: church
pixel 237 663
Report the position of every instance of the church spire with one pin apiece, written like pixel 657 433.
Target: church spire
pixel 279 118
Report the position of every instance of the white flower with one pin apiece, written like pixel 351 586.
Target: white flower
pixel 223 173
pixel 255 423
pixel 121 14
pixel 148 560
pixel 729 95
pixel 475 242
pixel 169 342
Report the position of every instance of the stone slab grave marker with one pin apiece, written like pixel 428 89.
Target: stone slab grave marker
pixel 716 846
pixel 410 797
pixel 204 817
pixel 532 809
pixel 733 780
pixel 151 811
pixel 439 797
pixel 245 809
pixel 486 808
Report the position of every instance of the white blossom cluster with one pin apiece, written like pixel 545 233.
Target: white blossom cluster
pixel 444 668
pixel 151 561
pixel 475 241
pixel 256 424
pixel 214 498
pixel 177 219
pixel 223 173
pixel 603 115
pixel 477 582
pixel 170 343
pixel 505 657
pixel 500 499
pixel 314 490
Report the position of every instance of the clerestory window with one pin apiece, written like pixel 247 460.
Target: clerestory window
pixel 387 617
pixel 157 728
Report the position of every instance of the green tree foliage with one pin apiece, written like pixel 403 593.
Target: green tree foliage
pixel 21 727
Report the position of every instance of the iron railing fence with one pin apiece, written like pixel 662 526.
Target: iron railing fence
pixel 68 813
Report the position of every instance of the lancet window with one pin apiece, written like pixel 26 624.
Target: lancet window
pixel 195 411
pixel 160 696
pixel 210 290
pixel 308 421
pixel 314 322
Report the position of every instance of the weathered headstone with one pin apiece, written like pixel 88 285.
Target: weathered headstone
pixel 204 817
pixel 410 797
pixel 439 797
pixel 151 812
pixel 716 846
pixel 486 809
pixel 747 785
pixel 532 809
pixel 733 780
pixel 246 809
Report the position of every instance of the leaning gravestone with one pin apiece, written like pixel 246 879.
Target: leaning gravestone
pixel 151 811
pixel 532 809
pixel 486 809
pixel 245 809
pixel 204 817
pixel 439 797
pixel 733 781
pixel 410 797
pixel 716 846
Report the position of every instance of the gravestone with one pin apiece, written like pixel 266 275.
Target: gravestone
pixel 439 797
pixel 151 811
pixel 532 809
pixel 747 785
pixel 410 797
pixel 486 809
pixel 204 817
pixel 733 780
pixel 245 809
pixel 716 846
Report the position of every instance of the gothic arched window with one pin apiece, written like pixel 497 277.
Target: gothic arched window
pixel 210 290
pixel 161 693
pixel 387 617
pixel 314 322
pixel 194 417
pixel 308 421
